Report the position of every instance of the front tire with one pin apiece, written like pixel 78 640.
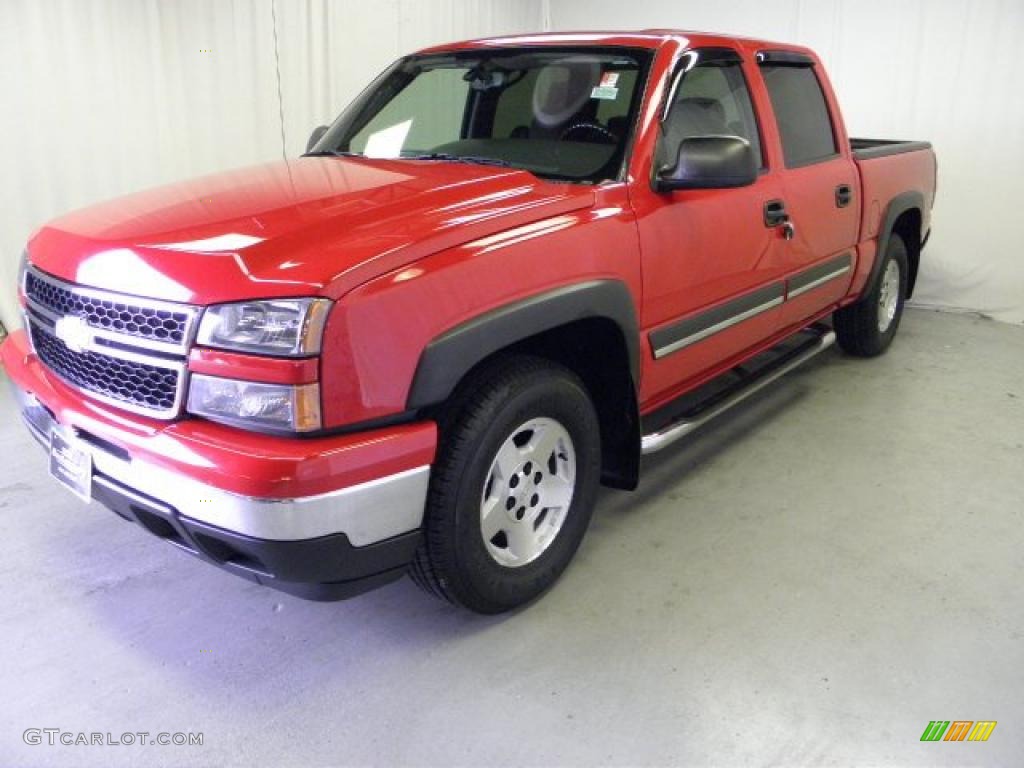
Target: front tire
pixel 513 485
pixel 867 327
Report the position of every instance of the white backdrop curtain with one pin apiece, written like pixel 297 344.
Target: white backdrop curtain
pixel 104 97
pixel 949 71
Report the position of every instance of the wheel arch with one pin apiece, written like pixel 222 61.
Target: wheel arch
pixel 590 327
pixel 903 216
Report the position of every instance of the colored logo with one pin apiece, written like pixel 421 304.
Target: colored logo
pixel 958 730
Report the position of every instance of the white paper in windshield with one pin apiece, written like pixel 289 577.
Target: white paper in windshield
pixel 388 142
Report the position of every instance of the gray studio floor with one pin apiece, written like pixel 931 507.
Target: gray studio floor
pixel 809 583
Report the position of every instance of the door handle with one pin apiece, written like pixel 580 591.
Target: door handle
pixel 844 194
pixel 775 213
pixel 775 216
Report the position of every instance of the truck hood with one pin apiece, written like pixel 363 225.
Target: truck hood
pixel 307 226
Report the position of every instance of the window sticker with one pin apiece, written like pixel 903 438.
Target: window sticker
pixel 609 79
pixel 606 92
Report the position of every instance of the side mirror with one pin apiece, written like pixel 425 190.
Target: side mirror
pixel 709 162
pixel 314 137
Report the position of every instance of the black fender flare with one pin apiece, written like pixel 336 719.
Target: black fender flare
pixel 903 202
pixel 448 357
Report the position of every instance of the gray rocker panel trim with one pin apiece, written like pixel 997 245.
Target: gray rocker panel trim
pixel 690 330
pixel 694 328
pixel 819 275
pixel 450 356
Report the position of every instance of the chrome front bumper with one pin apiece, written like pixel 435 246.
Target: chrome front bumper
pixel 367 513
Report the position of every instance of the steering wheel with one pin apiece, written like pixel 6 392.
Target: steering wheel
pixel 603 135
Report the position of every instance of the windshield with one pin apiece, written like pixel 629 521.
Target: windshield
pixel 559 113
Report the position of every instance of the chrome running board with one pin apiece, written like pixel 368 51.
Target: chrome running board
pixel 823 339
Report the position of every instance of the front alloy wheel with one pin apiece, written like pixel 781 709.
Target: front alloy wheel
pixel 528 492
pixel 512 487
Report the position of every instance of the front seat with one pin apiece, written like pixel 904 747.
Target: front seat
pixel 694 116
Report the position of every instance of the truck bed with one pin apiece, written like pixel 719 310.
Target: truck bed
pixel 868 149
pixel 894 175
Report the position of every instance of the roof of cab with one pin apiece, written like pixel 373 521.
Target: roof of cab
pixel 647 38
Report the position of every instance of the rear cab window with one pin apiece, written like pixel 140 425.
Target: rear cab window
pixel 801 111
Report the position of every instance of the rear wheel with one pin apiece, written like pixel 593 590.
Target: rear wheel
pixel 867 328
pixel 513 486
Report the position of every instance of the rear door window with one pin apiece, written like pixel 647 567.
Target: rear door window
pixel 801 113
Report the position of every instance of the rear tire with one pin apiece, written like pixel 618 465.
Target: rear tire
pixel 519 457
pixel 867 327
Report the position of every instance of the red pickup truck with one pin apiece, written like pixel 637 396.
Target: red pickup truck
pixel 509 269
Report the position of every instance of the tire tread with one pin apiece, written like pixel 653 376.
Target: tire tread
pixel 856 325
pixel 463 417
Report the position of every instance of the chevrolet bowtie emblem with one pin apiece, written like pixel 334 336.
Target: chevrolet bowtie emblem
pixel 74 332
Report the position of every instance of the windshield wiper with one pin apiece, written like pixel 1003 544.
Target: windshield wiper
pixel 332 153
pixel 447 157
pixel 442 156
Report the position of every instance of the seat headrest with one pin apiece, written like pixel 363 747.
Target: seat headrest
pixel 697 116
pixel 561 90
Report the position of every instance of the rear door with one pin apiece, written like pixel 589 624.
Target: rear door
pixel 819 184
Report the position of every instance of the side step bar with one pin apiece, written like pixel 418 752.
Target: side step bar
pixel 719 404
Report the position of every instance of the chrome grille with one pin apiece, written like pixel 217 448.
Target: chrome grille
pixel 123 381
pixel 135 356
pixel 127 317
pixel 155 324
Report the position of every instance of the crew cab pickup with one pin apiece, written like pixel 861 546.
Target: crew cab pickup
pixel 507 271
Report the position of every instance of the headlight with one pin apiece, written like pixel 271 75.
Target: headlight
pixel 286 327
pixel 284 407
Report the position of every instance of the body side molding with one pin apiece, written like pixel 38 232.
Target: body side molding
pixel 697 327
pixel 829 270
pixel 450 356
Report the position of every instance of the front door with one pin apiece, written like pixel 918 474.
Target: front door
pixel 713 272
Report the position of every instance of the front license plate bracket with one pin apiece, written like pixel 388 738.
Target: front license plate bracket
pixel 71 463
